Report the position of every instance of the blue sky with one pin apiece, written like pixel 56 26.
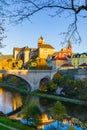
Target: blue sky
pixel 27 33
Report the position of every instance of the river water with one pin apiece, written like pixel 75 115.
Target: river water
pixel 10 101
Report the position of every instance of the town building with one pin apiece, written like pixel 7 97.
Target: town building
pixel 79 60
pixel 65 52
pixel 62 57
pixel 66 66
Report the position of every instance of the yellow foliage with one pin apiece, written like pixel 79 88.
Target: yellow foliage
pixel 11 63
pixel 41 64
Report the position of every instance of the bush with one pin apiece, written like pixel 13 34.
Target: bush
pixel 71 128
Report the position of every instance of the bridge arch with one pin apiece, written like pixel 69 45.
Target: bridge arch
pixel 44 80
pixel 20 77
pixel 32 77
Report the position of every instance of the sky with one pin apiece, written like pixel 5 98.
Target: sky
pixel 28 32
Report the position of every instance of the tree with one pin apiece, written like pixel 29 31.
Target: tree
pixel 31 111
pixel 71 128
pixel 1 33
pixel 41 64
pixel 59 79
pixel 43 87
pixel 58 111
pixel 2 21
pixel 24 9
pixel 52 86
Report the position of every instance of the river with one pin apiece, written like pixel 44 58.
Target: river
pixel 10 101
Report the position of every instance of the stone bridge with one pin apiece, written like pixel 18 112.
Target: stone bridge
pixel 32 77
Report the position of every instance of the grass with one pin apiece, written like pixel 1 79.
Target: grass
pixel 55 97
pixel 13 123
pixel 3 128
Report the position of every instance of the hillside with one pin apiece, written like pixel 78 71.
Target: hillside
pixel 5 57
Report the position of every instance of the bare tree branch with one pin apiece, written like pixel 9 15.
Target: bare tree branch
pixel 20 10
pixel 2 22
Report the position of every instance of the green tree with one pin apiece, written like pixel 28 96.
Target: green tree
pixel 43 87
pixel 59 79
pixel 58 111
pixel 71 128
pixel 52 86
pixel 31 111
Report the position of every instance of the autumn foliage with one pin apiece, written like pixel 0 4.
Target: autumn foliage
pixel 7 63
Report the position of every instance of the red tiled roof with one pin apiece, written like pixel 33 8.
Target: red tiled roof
pixel 67 65
pixel 62 58
pixel 84 64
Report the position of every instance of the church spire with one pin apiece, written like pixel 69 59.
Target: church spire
pixel 69 46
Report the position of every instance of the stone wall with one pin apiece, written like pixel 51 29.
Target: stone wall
pixel 79 74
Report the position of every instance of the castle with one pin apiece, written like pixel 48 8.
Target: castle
pixel 64 59
pixel 26 53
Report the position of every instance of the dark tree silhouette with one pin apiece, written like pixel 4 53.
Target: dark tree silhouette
pixel 24 9
pixel 2 21
pixel 1 33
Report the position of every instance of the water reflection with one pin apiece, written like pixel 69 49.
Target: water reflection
pixel 9 101
pixel 74 110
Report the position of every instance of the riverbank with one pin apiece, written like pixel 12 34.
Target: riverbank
pixel 13 124
pixel 43 95
pixel 60 98
pixel 14 88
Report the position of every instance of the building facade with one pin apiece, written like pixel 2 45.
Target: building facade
pixel 22 53
pixel 62 57
pixel 26 53
pixel 65 52
pixel 79 59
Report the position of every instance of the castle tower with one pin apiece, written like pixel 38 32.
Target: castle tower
pixel 22 54
pixel 16 51
pixel 26 53
pixel 40 41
